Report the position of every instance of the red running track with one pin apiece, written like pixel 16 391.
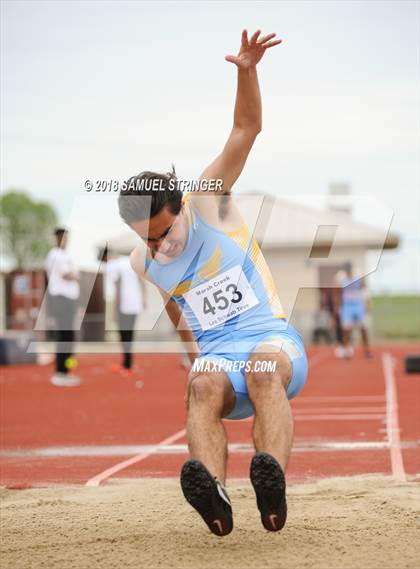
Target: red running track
pixel 353 417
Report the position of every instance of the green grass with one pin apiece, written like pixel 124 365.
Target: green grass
pixel 396 317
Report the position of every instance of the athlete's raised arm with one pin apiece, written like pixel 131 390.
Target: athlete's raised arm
pixel 247 115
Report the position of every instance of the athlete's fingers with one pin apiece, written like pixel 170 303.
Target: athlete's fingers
pixel 265 38
pixel 254 37
pixel 232 59
pixel 272 43
pixel 244 39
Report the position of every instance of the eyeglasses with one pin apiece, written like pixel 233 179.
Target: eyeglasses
pixel 153 240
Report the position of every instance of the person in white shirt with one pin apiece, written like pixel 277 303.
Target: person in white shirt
pixel 63 290
pixel 129 291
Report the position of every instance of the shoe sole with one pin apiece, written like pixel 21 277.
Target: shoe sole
pixel 59 383
pixel 201 491
pixel 269 484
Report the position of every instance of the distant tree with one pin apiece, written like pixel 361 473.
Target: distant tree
pixel 26 228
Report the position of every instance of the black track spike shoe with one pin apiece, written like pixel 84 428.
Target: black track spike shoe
pixel 270 488
pixel 207 496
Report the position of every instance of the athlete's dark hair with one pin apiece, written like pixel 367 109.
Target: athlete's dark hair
pixel 161 188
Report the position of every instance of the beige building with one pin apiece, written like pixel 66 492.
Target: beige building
pixel 304 246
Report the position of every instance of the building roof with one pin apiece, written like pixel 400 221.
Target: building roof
pixel 283 223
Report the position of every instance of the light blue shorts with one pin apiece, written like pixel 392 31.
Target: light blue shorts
pixel 234 363
pixel 352 313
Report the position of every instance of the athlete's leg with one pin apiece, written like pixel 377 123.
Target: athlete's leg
pixel 338 329
pixel 347 322
pixel 346 336
pixel 272 433
pixel 126 326
pixel 347 347
pixel 365 340
pixel 210 397
pixel 273 422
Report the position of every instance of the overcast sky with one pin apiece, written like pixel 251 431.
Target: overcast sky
pixel 103 90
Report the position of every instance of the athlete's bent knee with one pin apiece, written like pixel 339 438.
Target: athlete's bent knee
pixel 205 389
pixel 268 371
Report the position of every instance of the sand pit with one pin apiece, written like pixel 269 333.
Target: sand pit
pixel 358 523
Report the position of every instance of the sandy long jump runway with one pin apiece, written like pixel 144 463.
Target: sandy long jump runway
pixel 361 522
pixel 352 492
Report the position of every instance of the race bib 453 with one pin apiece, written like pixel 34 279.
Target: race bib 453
pixel 218 300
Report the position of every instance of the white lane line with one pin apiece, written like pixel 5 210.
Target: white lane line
pixel 392 419
pixel 165 449
pixel 96 480
pixel 349 417
pixel 332 417
pixel 340 399
pixel 329 410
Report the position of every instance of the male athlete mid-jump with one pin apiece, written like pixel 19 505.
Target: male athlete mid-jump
pixel 219 293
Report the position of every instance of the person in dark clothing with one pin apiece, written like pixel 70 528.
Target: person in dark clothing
pixel 63 290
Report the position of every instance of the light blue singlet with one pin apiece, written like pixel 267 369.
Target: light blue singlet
pixel 224 288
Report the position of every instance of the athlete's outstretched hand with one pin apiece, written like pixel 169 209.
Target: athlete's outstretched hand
pixel 252 50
